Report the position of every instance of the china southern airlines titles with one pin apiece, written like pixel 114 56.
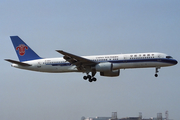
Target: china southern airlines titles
pixel 106 65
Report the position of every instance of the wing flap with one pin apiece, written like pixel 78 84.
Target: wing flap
pixel 77 60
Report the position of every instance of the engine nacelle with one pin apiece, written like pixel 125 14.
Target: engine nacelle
pixel 113 73
pixel 104 67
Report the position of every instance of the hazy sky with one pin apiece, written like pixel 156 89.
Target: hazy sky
pixel 89 27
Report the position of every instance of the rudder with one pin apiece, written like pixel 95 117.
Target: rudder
pixel 24 52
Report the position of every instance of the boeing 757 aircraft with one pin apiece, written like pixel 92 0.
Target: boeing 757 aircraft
pixel 107 65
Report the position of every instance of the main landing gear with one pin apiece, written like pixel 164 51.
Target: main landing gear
pixel 156 75
pixel 90 78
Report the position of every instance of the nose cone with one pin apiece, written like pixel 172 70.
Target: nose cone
pixel 175 62
pixel 172 61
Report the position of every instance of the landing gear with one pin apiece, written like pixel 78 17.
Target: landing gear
pixel 90 78
pixel 87 77
pixel 156 75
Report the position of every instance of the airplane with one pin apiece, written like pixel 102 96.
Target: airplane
pixel 106 65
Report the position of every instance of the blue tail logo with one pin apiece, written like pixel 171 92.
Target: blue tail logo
pixel 24 52
pixel 22 48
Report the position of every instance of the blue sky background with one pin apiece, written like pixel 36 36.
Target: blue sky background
pixel 89 27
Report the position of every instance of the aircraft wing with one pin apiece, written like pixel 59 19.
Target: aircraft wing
pixel 80 62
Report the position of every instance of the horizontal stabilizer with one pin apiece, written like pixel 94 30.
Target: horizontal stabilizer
pixel 17 62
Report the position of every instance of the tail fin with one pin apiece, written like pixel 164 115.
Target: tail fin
pixel 24 52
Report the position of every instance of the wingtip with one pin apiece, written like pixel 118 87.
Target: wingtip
pixel 59 50
pixel 6 59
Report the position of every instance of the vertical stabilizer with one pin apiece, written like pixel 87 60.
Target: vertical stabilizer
pixel 24 52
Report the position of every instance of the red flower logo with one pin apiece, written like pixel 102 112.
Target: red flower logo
pixel 21 49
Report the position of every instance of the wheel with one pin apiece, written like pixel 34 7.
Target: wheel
pixel 156 75
pixel 94 79
pixel 89 76
pixel 85 77
pixel 90 80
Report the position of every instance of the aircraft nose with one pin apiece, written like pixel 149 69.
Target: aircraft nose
pixel 176 62
pixel 173 61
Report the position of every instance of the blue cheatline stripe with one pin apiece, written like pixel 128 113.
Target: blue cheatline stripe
pixel 170 61
pixel 163 60
pixel 60 64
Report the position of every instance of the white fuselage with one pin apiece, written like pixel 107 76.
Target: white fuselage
pixel 119 61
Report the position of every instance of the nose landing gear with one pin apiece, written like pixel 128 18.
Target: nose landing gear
pixel 156 75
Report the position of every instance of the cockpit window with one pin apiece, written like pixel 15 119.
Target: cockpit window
pixel 168 57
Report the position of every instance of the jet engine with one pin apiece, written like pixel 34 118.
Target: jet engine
pixel 104 67
pixel 113 73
